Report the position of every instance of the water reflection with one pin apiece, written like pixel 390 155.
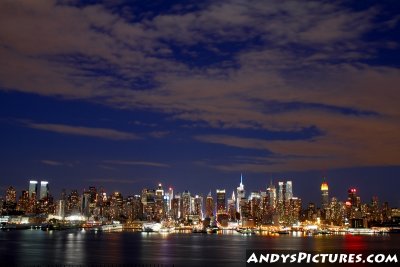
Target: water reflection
pixel 36 247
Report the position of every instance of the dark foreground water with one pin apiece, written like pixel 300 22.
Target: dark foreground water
pixel 36 247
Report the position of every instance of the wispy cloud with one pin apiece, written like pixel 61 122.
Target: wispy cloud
pixel 159 134
pixel 142 163
pixel 56 163
pixel 83 131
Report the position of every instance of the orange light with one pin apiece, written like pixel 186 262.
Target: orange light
pixel 348 203
pixel 324 187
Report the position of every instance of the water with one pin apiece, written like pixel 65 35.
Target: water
pixel 36 247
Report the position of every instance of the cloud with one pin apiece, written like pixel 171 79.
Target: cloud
pixel 227 65
pixel 83 131
pixel 56 163
pixel 159 134
pixel 142 163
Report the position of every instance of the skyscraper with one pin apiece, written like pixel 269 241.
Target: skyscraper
pixel 198 206
pixel 352 197
pixel 221 201
pixel 44 189
pixel 85 208
pixel 209 206
pixel 33 189
pixel 186 204
pixel 271 192
pixel 325 195
pixel 232 207
pixel 240 193
pixel 289 190
pixel 11 199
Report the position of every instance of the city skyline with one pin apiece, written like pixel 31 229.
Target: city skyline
pixel 131 93
pixel 241 191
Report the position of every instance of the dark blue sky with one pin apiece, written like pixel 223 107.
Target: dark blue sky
pixel 126 94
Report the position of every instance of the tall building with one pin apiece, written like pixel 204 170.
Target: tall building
pixel 289 190
pixel 85 208
pixel 285 193
pixel 240 193
pixel 198 206
pixel 295 207
pixel 352 197
pixel 23 201
pixel 169 196
pixel 159 199
pixel 271 193
pixel 44 189
pixel 232 207
pixel 209 206
pixel 325 195
pixel 186 204
pixel 221 201
pixel 33 189
pixel 11 199
pixel 176 207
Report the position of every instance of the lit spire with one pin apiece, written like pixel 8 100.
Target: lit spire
pixel 233 196
pixel 241 180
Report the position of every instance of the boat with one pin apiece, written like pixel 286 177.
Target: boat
pixel 212 230
pixel 167 229
pixel 246 231
pixel 199 231
pixel 151 227
pixel 361 231
pixel 114 226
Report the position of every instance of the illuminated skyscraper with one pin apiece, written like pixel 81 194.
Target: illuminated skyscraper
pixel 159 198
pixel 44 189
pixel 198 206
pixel 325 195
pixel 353 198
pixel 186 204
pixel 295 207
pixel 289 190
pixel 170 196
pixel 271 193
pixel 240 193
pixel 232 207
pixel 33 189
pixel 221 201
pixel 175 207
pixel 209 206
pixel 23 202
pixel 85 208
pixel 11 199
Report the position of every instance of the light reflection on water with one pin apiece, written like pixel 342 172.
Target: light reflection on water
pixel 86 247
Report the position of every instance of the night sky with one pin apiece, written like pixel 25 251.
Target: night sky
pixel 126 94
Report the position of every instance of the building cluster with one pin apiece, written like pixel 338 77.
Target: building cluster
pixel 277 205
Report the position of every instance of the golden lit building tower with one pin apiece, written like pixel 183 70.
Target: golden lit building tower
pixel 209 206
pixel 325 195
